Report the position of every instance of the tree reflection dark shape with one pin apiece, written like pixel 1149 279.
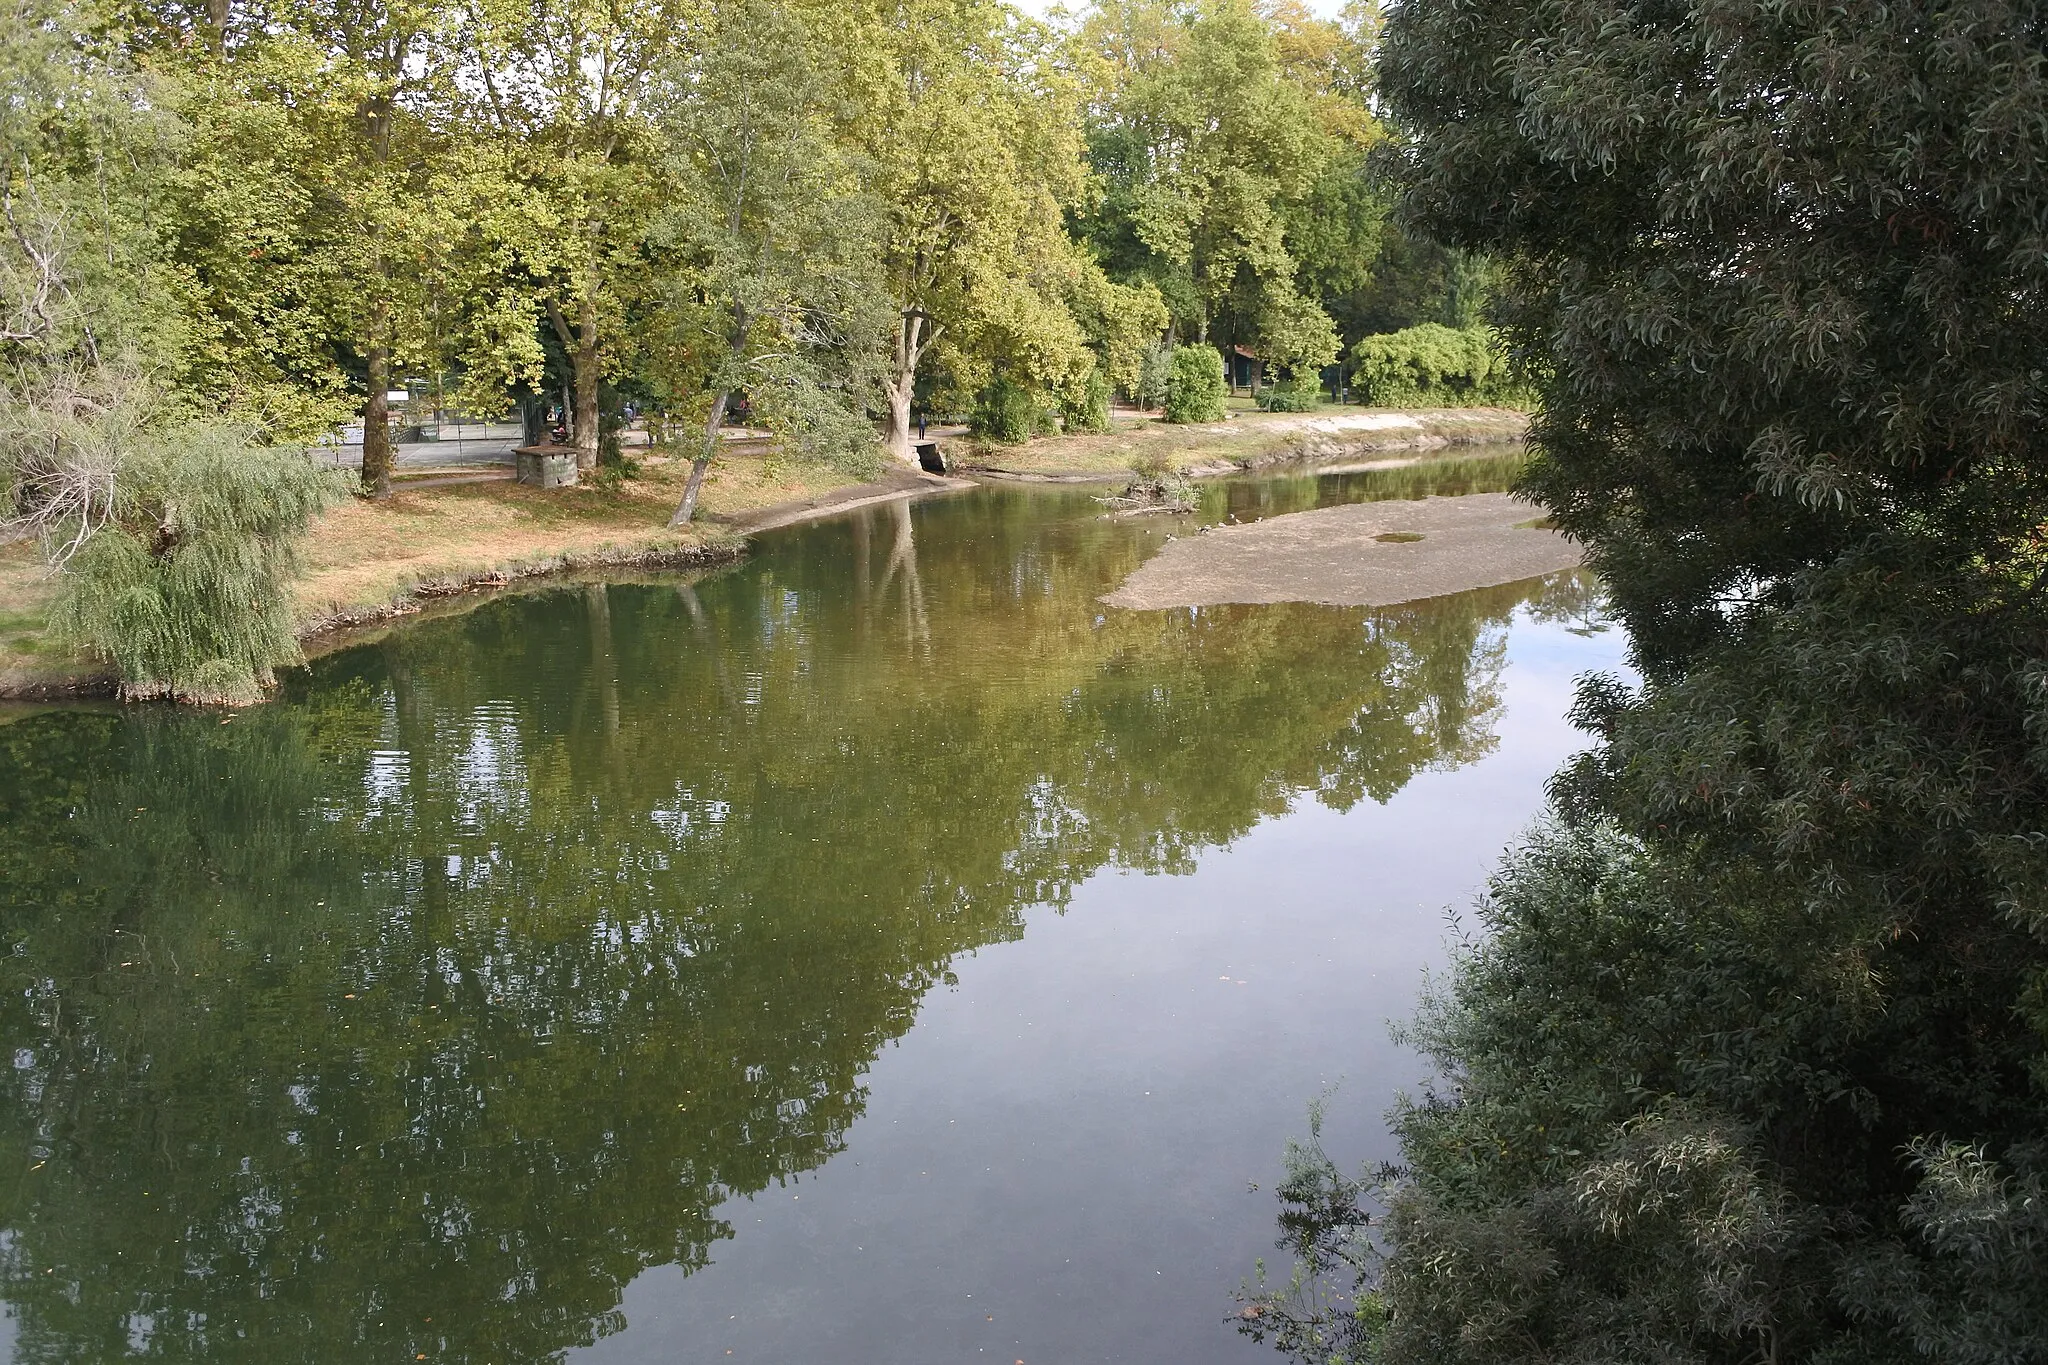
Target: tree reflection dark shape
pixel 419 1014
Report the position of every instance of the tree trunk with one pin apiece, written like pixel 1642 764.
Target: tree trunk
pixel 377 426
pixel 687 508
pixel 902 383
pixel 584 431
pixel 901 387
pixel 376 113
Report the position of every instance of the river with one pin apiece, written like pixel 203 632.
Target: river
pixel 876 951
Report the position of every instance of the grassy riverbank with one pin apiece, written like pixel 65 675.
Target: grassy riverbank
pixel 431 538
pixel 1245 439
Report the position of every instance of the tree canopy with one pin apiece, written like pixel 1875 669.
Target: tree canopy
pixel 827 217
pixel 1754 1061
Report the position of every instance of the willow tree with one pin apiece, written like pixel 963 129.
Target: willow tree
pixel 1754 1063
pixel 171 528
pixel 773 287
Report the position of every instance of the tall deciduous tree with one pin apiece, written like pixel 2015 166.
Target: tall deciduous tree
pixel 373 161
pixel 775 288
pixel 1208 138
pixel 564 83
pixel 972 148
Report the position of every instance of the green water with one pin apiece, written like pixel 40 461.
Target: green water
pixel 781 962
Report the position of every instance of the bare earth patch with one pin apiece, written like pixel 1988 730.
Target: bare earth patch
pixel 1371 554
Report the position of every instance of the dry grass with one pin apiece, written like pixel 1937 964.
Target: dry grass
pixel 362 554
pixel 1245 439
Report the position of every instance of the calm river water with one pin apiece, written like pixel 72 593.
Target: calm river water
pixel 875 952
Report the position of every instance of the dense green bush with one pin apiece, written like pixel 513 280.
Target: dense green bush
pixel 1283 399
pixel 1431 365
pixel 1195 386
pixel 1005 412
pixel 1754 1063
pixel 1089 411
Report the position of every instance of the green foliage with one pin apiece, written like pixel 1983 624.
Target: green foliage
pixel 185 587
pixel 1211 142
pixel 1279 398
pixel 1409 279
pixel 1154 373
pixel 1195 386
pixel 1005 412
pixel 767 280
pixel 1090 412
pixel 174 534
pixel 1752 1062
pixel 1431 365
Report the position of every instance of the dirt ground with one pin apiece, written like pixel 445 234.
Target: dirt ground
pixel 1246 439
pixel 1371 554
pixel 360 554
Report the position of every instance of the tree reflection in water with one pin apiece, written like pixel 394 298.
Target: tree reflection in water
pixel 417 1014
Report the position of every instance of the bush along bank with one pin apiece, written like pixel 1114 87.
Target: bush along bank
pixel 1431 365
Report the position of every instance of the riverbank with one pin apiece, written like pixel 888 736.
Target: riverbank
pixel 432 540
pixel 448 533
pixel 1244 440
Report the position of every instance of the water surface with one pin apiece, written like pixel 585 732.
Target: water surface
pixel 877 952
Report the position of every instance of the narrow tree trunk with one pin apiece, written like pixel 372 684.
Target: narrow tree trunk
pixel 377 426
pixel 376 114
pixel 687 508
pixel 585 428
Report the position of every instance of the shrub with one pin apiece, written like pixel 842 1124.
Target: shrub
pixel 1004 412
pixel 1090 411
pixel 1432 365
pixel 1195 385
pixel 1154 367
pixel 1281 399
